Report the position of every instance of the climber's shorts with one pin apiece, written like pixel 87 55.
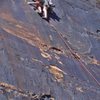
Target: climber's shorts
pixel 46 3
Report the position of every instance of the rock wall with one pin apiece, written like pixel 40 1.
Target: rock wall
pixel 55 60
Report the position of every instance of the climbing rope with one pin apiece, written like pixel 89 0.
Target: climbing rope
pixel 75 55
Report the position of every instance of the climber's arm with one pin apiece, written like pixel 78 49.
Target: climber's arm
pixel 33 2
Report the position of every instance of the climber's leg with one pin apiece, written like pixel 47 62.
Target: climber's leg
pixel 45 13
pixel 39 9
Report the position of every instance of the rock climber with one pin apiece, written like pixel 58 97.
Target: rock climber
pixel 41 6
pixel 46 4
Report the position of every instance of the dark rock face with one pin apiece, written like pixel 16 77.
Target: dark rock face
pixel 59 60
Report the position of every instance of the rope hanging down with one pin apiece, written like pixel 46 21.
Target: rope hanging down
pixel 74 55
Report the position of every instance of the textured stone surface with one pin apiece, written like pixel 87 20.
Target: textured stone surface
pixel 59 60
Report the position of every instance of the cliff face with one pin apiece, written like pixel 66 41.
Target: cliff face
pixel 59 60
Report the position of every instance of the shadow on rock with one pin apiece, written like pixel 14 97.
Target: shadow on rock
pixel 52 15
